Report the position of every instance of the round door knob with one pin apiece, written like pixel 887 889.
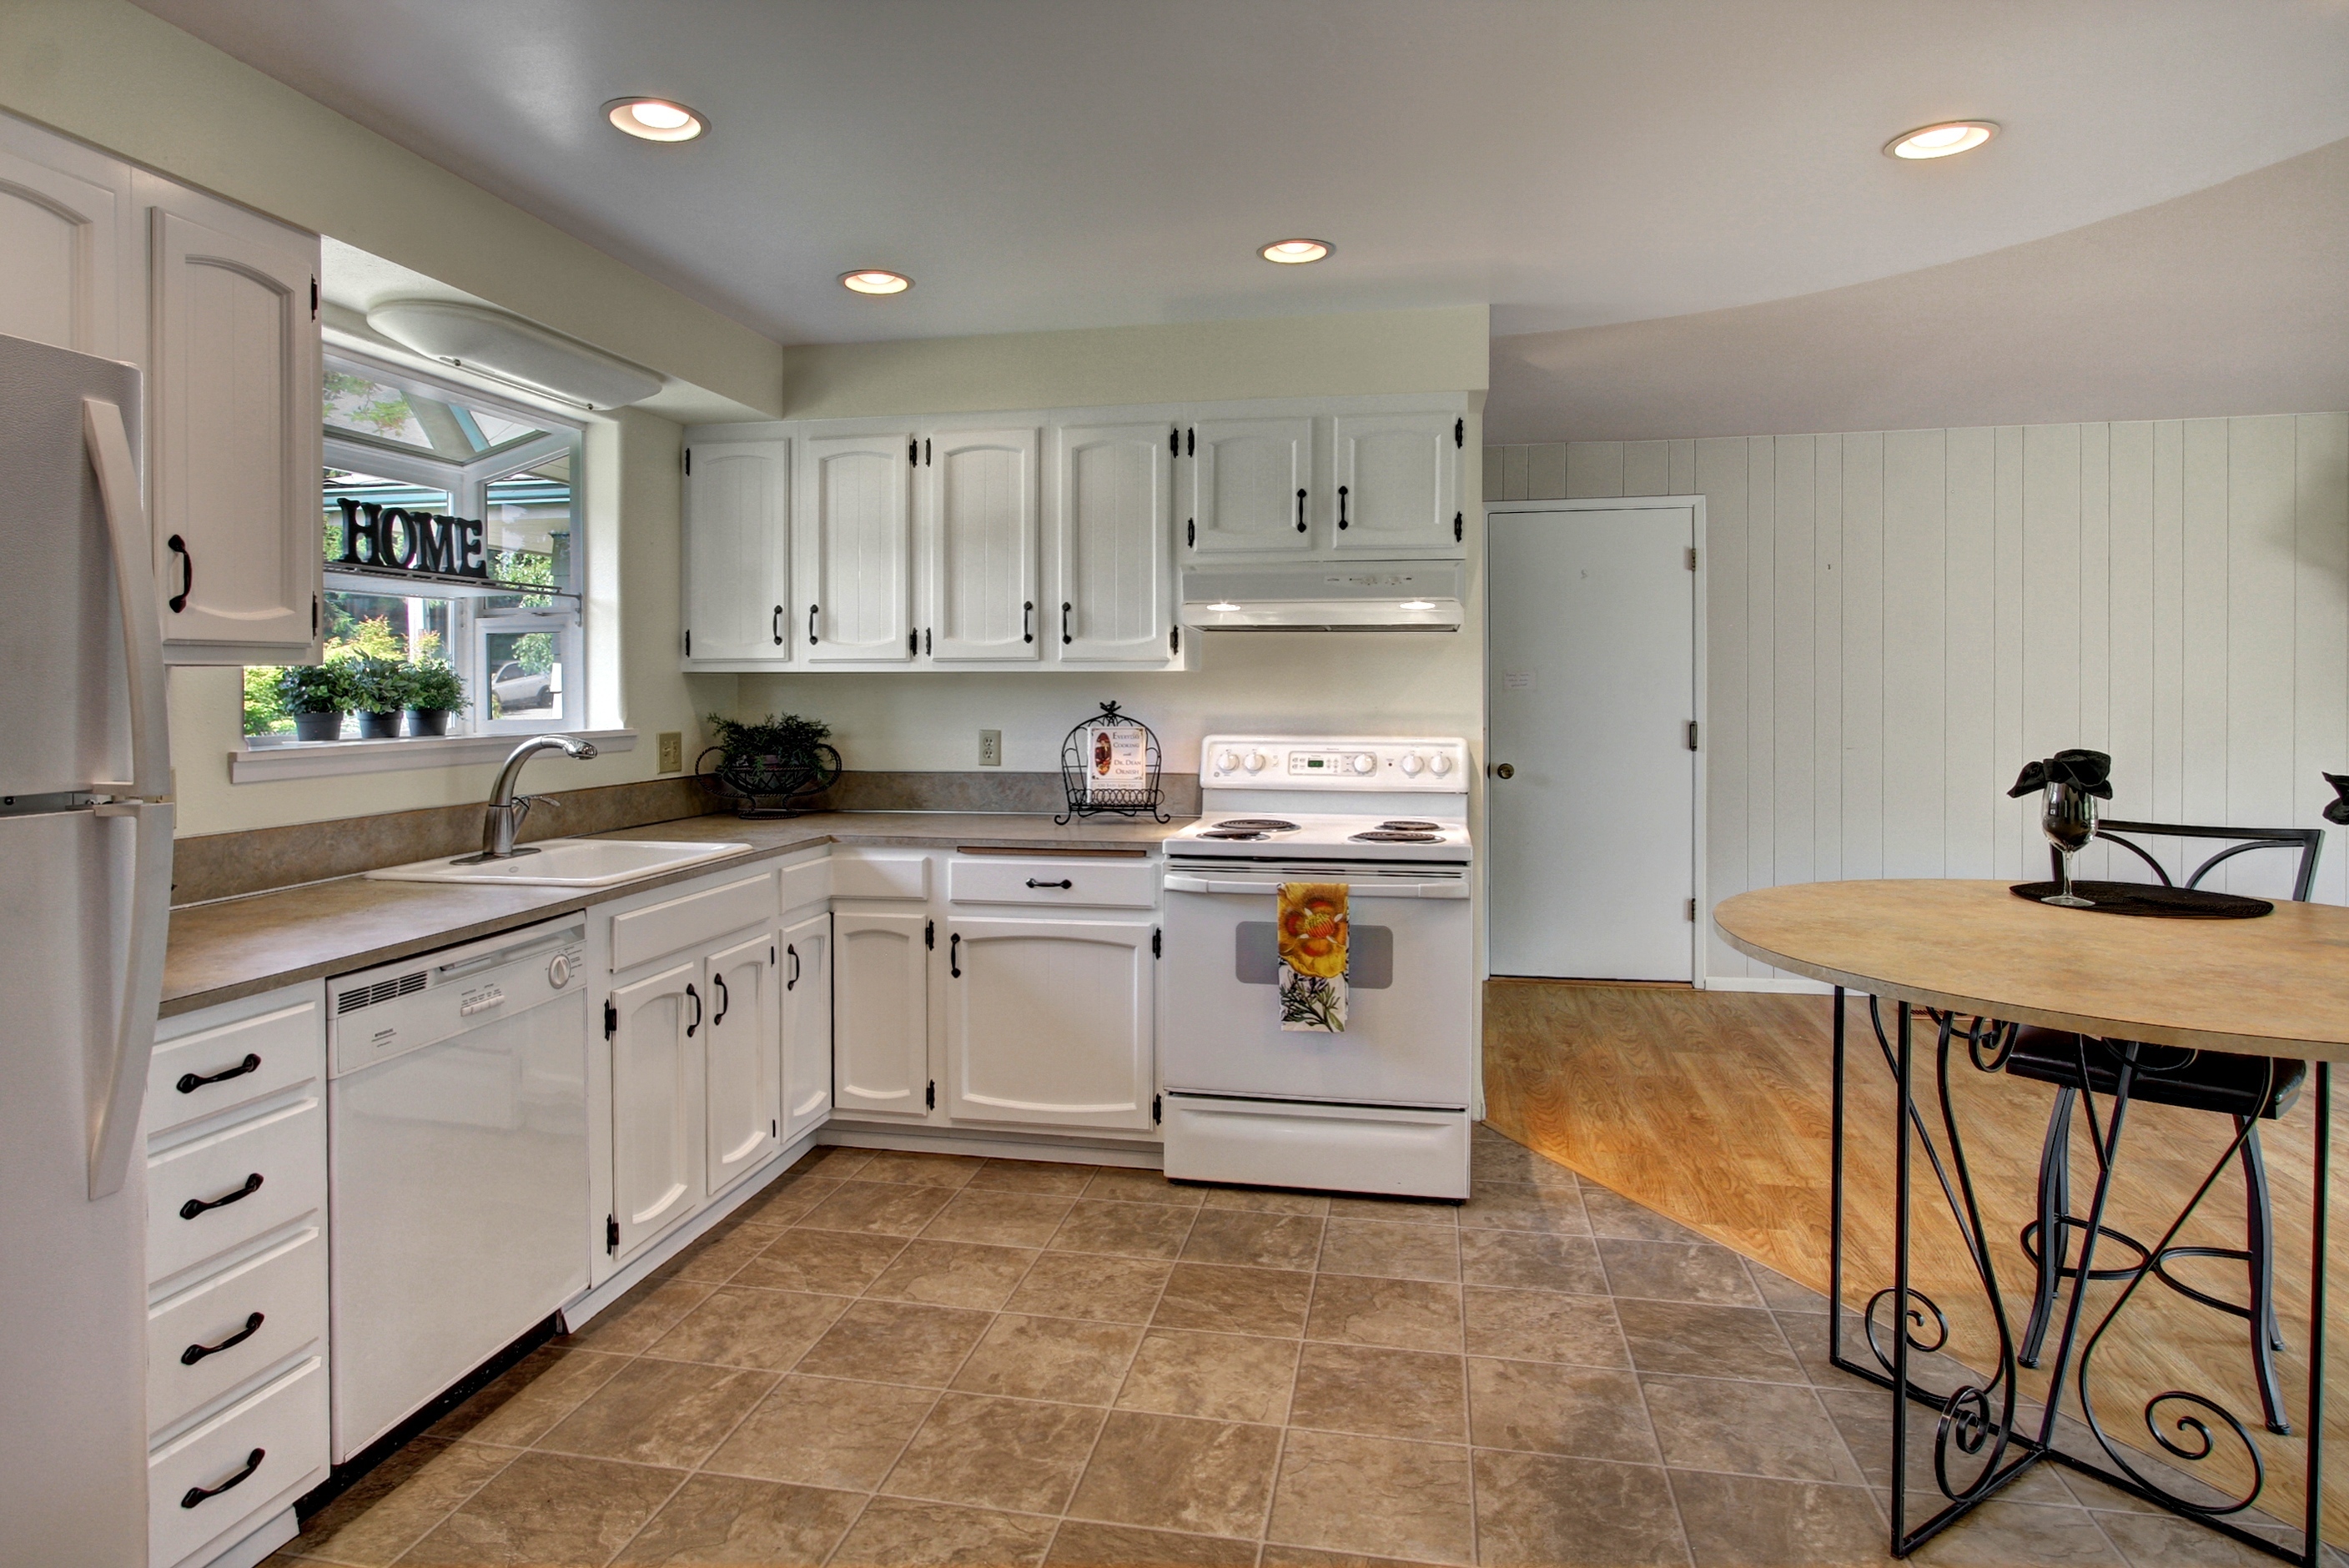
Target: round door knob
pixel 558 971
pixel 1365 763
pixel 1227 761
pixel 1505 771
pixel 1440 764
pixel 1412 766
pixel 1256 761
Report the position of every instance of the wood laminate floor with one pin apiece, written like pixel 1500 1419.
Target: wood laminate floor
pixel 1713 1108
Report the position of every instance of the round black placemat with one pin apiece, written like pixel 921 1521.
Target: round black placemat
pixel 2153 899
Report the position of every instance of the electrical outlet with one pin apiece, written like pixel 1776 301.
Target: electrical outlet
pixel 991 749
pixel 672 751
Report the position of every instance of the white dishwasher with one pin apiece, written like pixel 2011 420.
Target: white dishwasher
pixel 457 1164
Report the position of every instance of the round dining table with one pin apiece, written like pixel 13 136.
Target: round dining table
pixel 1963 963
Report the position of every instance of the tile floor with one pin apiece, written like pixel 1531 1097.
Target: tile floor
pixel 897 1358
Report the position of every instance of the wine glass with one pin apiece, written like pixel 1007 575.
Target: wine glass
pixel 2069 821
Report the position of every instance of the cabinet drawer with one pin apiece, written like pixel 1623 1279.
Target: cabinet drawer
pixel 285 1288
pixel 880 873
pixel 229 1065
pixel 807 883
pixel 1088 884
pixel 284 1421
pixel 285 1148
pixel 654 932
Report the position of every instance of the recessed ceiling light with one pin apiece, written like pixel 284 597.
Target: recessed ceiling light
pixel 875 280
pixel 1941 140
pixel 655 120
pixel 1296 252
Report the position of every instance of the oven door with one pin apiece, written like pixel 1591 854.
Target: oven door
pixel 1408 1039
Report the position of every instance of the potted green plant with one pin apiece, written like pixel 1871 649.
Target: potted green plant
pixel 762 766
pixel 434 691
pixel 316 697
pixel 378 692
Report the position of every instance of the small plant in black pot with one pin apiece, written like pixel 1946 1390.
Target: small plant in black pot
pixel 378 691
pixel 434 691
pixel 763 767
pixel 316 696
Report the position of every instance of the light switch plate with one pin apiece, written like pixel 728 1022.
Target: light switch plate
pixel 672 751
pixel 991 749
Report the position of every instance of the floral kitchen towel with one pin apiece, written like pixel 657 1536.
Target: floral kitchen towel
pixel 1313 957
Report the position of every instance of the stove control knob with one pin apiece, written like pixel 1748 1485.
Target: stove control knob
pixel 1440 764
pixel 1412 765
pixel 1227 760
pixel 1255 761
pixel 1365 763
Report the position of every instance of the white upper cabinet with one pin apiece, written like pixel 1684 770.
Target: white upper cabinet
pixel 234 445
pixel 64 212
pixel 738 584
pixel 1251 487
pixel 854 552
pixel 978 491
pixel 1393 483
pixel 1116 510
pixel 1049 1022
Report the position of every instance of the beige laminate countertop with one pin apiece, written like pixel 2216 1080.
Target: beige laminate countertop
pixel 243 946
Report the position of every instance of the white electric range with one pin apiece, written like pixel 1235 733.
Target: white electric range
pixel 1383 1107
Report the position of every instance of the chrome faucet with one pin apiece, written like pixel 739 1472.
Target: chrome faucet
pixel 506 809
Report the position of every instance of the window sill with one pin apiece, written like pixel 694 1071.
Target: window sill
pixel 332 758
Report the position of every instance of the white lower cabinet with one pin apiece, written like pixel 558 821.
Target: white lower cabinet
pixel 745 1063
pixel 881 1026
pixel 806 1007
pixel 1049 1022
pixel 658 1073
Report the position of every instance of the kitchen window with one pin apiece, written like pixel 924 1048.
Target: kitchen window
pixel 452 533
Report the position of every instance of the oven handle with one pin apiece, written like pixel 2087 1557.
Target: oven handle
pixel 1177 882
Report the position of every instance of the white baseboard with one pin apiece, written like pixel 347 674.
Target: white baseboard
pixel 1792 984
pixel 1137 1153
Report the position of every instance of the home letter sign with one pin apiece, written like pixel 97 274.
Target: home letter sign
pixel 396 539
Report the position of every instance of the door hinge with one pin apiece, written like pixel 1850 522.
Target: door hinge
pixel 1191 533
pixel 612 1233
pixel 1691 558
pixel 1157 943
pixel 1691 909
pixel 1157 1105
pixel 926 639
pixel 930 934
pixel 1459 523
pixel 930 1095
pixel 925 451
pixel 1173 442
pixel 611 1020
pixel 774 1129
pixel 913 452
pixel 1175 639
pixel 1459 432
pixel 913 641
pixel 689 460
pixel 314 299
pixel 314 617
pixel 1692 735
pixel 771 956
pixel 689 641
pixel 1191 443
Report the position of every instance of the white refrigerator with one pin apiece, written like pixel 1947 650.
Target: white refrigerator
pixel 84 895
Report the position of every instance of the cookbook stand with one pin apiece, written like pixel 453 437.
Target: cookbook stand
pixel 1085 752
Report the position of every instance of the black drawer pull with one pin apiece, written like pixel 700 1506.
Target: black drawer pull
pixel 194 1206
pixel 1064 882
pixel 195 1353
pixel 190 1082
pixel 196 1494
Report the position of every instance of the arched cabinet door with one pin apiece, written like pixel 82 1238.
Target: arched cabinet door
pixel 657 1102
pixel 1395 484
pixel 881 1024
pixel 744 1066
pixel 738 578
pixel 979 518
pixel 65 276
pixel 1050 1022
pixel 1252 488
pixel 806 1007
pixel 1116 485
pixel 853 557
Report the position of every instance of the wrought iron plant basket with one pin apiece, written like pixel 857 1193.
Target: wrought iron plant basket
pixel 768 787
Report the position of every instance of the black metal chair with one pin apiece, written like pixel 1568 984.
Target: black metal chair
pixel 2248 1089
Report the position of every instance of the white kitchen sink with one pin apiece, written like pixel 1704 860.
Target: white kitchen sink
pixel 565 862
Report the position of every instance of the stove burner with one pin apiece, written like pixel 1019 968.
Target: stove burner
pixel 1408 826
pixel 1258 824
pixel 1241 833
pixel 1381 836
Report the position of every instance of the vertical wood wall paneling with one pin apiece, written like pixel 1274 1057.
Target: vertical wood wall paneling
pixel 1863 656
pixel 2262 536
pixel 2096 639
pixel 1974 796
pixel 2011 856
pixel 2168 621
pixel 1916 653
pixel 1648 467
pixel 2051 605
pixel 2129 608
pixel 1719 469
pixel 2204 644
pixel 2321 632
pixel 1546 472
pixel 1828 610
pixel 1760 665
pixel 1794 721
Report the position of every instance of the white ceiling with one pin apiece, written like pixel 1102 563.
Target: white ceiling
pixel 1056 163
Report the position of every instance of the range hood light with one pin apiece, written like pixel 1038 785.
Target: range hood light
pixel 1224 608
pixel 1419 604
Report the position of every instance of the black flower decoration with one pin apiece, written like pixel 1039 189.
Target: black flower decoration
pixel 2338 810
pixel 2086 771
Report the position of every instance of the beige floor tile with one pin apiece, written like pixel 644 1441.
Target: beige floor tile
pixel 1004 1219
pixel 832 1162
pixel 899 1533
pixel 1080 1544
pixel 392 1507
pixel 1218 1377
pixel 1076 1360
pixel 1404 1314
pixel 1234 1300
pixel 2005 1535
pixel 714 1258
pixel 1783 1295
pixel 1396 1210
pixel 919 1169
pixel 2165 1540
pixel 1382 1393
pixel 1678 1271
pixel 725 1520
pixel 640 1318
pixel 824 1431
pixel 1864 1418
pixel 1047 1176
pixel 1746 1522
pixel 1544 1325
pixel 1253 1240
pixel 953 1273
pixel 830 1263
pixel 659 1413
pixel 984 1452
pixel 1548 1408
pixel 1165 1472
pixel 1774 1429
pixel 1536 1511
pixel 1377 1496
pixel 1528 1260
pixel 783 1203
pixel 1676 1337
pixel 548 1509
pixel 896 1342
pixel 1085 1285
pixel 1126 1229
pixel 1391 1250
pixel 769 1329
pixel 1276 1555
pixel 534 1394
pixel 1612 1214
pixel 1122 1185
pixel 877 1207
pixel 1267 1201
pixel 1511 1206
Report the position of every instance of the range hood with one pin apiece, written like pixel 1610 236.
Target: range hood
pixel 1325 596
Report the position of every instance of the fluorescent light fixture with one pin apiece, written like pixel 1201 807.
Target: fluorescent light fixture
pixel 875 280
pixel 655 120
pixel 1941 141
pixel 1418 604
pixel 1296 252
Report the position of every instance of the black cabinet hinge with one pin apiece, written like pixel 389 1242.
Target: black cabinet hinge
pixel 913 452
pixel 1459 432
pixel 1458 523
pixel 612 1234
pixel 611 1020
pixel 1173 442
pixel 688 460
pixel 314 299
pixel 1157 1106
pixel 1157 943
pixel 1692 735
pixel 1191 444
pixel 925 451
pixel 1175 639
pixel 774 1129
pixel 314 617
pixel 930 934
pixel 926 639
pixel 930 1098
pixel 689 641
pixel 913 641
pixel 1191 533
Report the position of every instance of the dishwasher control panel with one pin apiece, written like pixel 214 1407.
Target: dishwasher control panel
pixel 379 1014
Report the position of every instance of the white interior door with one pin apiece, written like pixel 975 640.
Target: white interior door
pixel 737 590
pixel 1117 505
pixel 1591 682
pixel 745 1062
pixel 881 1016
pixel 981 489
pixel 807 1023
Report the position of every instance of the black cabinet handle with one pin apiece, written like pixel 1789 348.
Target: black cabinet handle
pixel 725 999
pixel 1065 608
pixel 1028 622
pixel 190 1082
pixel 954 956
pixel 810 626
pixel 179 547
pixel 1300 511
pixel 1064 882
pixel 194 1206
pixel 792 953
pixel 776 625
pixel 1341 506
pixel 196 1494
pixel 195 1353
pixel 695 996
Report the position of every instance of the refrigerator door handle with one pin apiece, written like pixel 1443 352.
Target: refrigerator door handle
pixel 114 1122
pixel 134 579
